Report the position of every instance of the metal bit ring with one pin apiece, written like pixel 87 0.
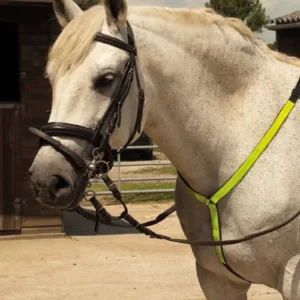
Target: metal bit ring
pixel 87 194
pixel 99 165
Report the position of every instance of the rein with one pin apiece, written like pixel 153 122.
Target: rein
pixel 103 216
pixel 102 154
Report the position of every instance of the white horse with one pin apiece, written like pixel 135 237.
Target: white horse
pixel 212 91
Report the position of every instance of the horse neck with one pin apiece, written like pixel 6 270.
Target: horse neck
pixel 197 79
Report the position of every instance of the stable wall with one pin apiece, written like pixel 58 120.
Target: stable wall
pixel 18 208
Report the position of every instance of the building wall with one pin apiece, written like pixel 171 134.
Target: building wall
pixel 38 30
pixel 288 41
pixel 10 214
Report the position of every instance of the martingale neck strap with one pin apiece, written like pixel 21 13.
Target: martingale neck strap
pixel 212 202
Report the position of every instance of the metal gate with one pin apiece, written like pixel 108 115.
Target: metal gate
pixel 121 179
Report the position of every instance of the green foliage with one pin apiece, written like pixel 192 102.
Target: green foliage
pixel 250 11
pixel 272 46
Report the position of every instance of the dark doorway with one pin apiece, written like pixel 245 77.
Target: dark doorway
pixel 10 62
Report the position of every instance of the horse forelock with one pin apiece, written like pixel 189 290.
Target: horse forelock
pixel 75 40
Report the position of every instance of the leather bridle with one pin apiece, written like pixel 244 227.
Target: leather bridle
pixel 99 137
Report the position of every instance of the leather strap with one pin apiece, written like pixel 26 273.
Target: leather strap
pixel 117 102
pixel 106 39
pixel 73 157
pixel 66 129
pixel 295 96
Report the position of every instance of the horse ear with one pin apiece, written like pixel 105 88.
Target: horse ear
pixel 65 11
pixel 116 12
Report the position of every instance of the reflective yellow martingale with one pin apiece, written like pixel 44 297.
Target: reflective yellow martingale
pixel 213 201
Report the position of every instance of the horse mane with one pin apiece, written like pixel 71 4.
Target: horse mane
pixel 74 42
pixel 206 16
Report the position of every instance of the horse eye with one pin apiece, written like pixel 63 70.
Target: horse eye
pixel 104 81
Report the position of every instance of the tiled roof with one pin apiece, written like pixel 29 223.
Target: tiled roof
pixel 289 18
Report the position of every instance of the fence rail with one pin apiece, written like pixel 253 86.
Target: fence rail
pixel 119 164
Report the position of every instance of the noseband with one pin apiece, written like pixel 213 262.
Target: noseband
pixel 99 137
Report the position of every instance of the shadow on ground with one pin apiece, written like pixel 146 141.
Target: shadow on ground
pixel 76 225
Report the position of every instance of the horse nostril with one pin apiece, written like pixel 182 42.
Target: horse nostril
pixel 60 183
pixel 57 185
pixel 36 191
pixel 30 171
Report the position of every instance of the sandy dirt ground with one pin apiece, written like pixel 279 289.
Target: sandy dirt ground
pixel 113 264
